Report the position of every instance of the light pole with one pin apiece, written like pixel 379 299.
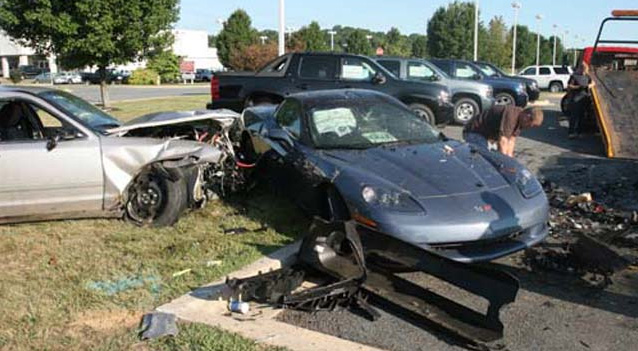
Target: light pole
pixel 538 40
pixel 290 30
pixel 554 56
pixel 516 6
pixel 332 39
pixel 263 39
pixel 575 45
pixel 476 23
pixel 282 28
pixel 564 45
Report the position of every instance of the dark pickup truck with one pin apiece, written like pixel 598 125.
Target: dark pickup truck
pixel 299 72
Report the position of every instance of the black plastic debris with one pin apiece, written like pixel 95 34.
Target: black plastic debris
pixel 158 324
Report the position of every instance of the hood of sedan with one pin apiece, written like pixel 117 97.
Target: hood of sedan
pixel 425 171
pixel 224 117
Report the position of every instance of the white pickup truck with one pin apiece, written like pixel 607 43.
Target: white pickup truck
pixel 554 78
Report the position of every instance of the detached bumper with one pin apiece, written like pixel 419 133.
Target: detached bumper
pixel 236 105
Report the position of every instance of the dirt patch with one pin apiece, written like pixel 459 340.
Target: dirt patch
pixel 106 321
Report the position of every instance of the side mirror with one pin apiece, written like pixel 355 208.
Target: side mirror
pixel 379 78
pixel 436 77
pixel 61 134
pixel 477 77
pixel 281 136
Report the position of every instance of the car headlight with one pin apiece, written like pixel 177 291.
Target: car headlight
pixel 388 199
pixel 527 184
pixel 444 96
pixel 487 91
pixel 521 89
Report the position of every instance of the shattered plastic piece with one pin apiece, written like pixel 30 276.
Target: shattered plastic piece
pixel 177 274
pixel 158 324
pixel 578 199
pixel 214 263
pixel 238 307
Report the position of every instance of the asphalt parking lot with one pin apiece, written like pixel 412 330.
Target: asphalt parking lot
pixel 553 311
pixel 128 92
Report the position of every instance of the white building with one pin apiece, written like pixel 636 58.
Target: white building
pixel 13 55
pixel 191 45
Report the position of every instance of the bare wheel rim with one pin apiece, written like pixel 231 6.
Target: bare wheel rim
pixel 504 100
pixel 464 112
pixel 146 199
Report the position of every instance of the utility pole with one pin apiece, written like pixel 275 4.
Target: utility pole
pixel 282 28
pixel 476 23
pixel 516 6
pixel 564 44
pixel 538 41
pixel 575 45
pixel 554 56
pixel 332 39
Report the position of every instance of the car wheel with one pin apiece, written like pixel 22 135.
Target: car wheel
pixel 556 87
pixel 424 112
pixel 504 99
pixel 154 200
pixel 464 110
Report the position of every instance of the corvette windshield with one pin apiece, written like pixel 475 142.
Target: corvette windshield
pixel 366 124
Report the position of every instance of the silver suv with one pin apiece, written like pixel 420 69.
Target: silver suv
pixel 554 78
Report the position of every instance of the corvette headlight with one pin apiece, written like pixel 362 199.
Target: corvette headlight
pixel 444 96
pixel 388 199
pixel 527 184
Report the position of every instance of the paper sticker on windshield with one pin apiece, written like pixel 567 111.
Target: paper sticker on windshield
pixel 354 72
pixel 339 120
pixel 380 137
pixel 418 71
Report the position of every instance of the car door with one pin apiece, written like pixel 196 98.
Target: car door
pixel 317 72
pixel 544 77
pixel 52 168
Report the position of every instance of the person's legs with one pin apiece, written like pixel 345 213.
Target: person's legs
pixel 476 140
pixel 577 112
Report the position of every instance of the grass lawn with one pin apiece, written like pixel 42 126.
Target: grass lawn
pixel 84 284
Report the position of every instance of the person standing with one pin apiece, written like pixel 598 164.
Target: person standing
pixel 501 125
pixel 578 85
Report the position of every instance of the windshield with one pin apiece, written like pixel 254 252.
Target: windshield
pixel 366 124
pixel 81 110
pixel 489 71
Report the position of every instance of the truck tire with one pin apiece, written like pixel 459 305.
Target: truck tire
pixel 156 201
pixel 424 112
pixel 556 87
pixel 464 110
pixel 504 99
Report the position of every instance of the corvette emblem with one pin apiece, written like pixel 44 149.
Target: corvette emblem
pixel 483 208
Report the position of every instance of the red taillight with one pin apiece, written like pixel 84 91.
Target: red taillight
pixel 214 87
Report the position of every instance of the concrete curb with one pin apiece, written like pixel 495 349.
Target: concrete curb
pixel 207 305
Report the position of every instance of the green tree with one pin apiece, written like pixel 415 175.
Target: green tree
pixel 312 37
pixel 397 44
pixel 495 43
pixel 91 32
pixel 236 34
pixel 166 64
pixel 358 43
pixel 419 45
pixel 450 31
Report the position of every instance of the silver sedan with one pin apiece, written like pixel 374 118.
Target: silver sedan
pixel 59 160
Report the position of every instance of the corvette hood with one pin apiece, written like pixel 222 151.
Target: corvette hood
pixel 161 119
pixel 425 171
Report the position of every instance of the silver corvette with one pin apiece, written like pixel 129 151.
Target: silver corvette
pixel 61 157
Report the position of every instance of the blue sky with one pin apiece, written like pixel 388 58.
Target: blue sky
pixel 581 17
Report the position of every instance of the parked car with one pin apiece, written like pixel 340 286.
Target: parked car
pixel 362 155
pixel 62 157
pixel 506 91
pixel 300 72
pixel 554 78
pixel 30 71
pixel 469 97
pixel 58 78
pixel 43 78
pixel 533 91
pixel 203 75
pixel 112 77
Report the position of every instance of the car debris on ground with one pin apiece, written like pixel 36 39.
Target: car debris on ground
pixel 587 238
pixel 157 324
